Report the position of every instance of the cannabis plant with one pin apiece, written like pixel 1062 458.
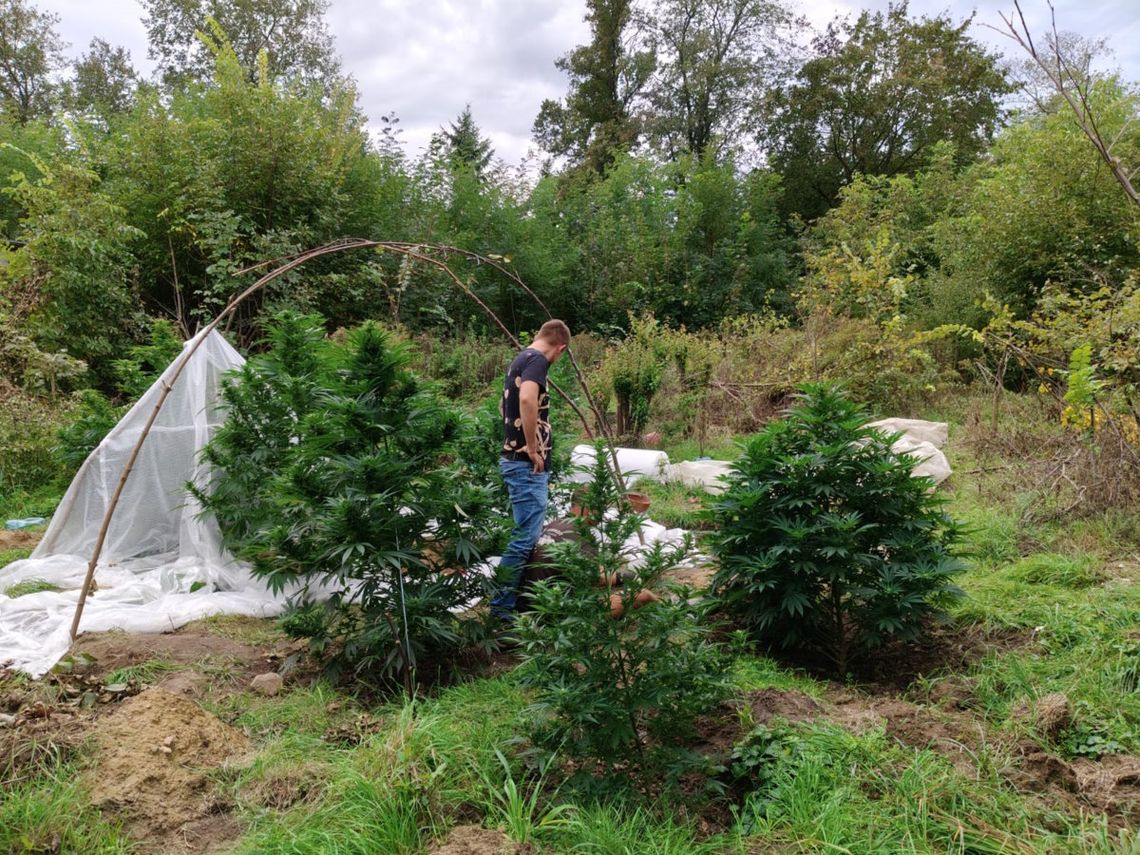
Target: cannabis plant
pixel 619 676
pixel 335 472
pixel 826 540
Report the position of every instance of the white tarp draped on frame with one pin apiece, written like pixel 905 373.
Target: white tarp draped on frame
pixel 163 564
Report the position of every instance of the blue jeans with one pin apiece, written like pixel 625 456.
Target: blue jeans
pixel 528 493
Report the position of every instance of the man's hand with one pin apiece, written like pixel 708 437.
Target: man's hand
pixel 537 459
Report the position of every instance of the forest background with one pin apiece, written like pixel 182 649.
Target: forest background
pixel 887 202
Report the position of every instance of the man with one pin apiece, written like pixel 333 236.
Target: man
pixel 525 462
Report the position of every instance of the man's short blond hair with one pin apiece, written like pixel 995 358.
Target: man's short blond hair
pixel 555 332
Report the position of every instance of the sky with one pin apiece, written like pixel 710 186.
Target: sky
pixel 425 60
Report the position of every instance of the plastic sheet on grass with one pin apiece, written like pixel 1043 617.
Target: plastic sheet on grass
pixel 163 563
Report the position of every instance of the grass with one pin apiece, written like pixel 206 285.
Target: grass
pixel 674 505
pixel 256 632
pixel 28 586
pixel 717 448
pixel 23 503
pixel 144 672
pixel 840 792
pixel 52 814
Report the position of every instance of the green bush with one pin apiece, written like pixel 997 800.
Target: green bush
pixel 28 426
pixel 337 467
pixel 619 692
pixel 826 540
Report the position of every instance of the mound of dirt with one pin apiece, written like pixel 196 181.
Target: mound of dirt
pixel 475 840
pixel 154 755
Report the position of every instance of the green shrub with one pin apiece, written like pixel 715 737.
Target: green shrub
pixel 337 467
pixel 826 540
pixel 619 692
pixel 28 426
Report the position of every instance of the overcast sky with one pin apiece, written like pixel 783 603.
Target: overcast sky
pixel 426 59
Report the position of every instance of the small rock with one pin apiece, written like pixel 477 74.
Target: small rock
pixel 168 741
pixel 7 720
pixel 1052 714
pixel 268 684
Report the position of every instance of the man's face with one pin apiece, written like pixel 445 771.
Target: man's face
pixel 558 351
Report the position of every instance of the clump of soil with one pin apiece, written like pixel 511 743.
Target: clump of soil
pixel 19 539
pixel 154 755
pixel 475 840
pixel 1111 783
pixel 287 787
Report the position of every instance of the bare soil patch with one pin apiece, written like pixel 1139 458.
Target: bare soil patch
pixel 476 840
pixel 19 539
pixel 155 754
pixel 189 645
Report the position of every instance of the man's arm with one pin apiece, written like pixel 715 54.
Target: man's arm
pixel 528 411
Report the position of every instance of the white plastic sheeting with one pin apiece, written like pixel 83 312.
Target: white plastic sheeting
pixel 921 438
pixel 702 474
pixel 635 463
pixel 158 547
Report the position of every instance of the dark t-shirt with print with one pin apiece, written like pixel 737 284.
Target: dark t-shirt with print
pixel 530 364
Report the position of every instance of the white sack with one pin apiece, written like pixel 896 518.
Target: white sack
pixel 935 433
pixel 157 547
pixel 703 474
pixel 932 462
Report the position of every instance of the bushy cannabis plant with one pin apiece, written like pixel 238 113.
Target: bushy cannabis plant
pixel 336 469
pixel 826 540
pixel 619 676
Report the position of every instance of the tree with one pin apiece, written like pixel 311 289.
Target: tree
pixel 877 95
pixel 607 76
pixel 104 80
pixel 30 51
pixel 716 58
pixel 292 32
pixel 466 149
pixel 1045 208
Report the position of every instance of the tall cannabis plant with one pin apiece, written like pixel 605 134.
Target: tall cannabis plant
pixel 336 470
pixel 826 540
pixel 619 677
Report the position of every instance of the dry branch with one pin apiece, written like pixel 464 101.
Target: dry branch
pixel 1071 87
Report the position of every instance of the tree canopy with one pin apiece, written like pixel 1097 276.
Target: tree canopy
pixel 293 33
pixel 874 98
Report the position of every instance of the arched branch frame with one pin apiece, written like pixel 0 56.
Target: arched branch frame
pixel 433 255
